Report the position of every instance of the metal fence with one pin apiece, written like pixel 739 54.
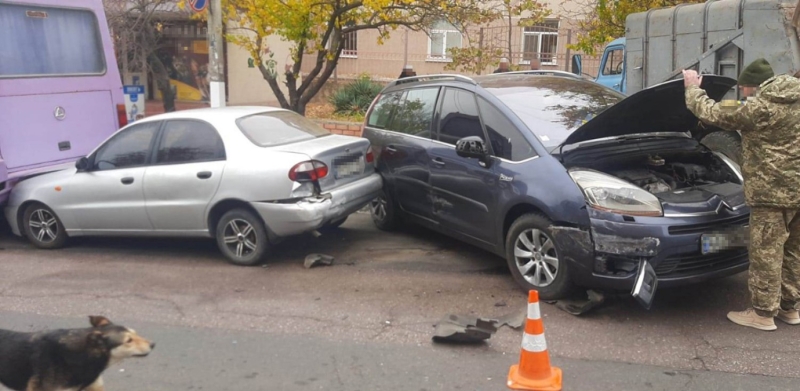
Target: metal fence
pixel 550 45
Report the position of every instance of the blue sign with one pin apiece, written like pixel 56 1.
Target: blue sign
pixel 198 5
pixel 132 90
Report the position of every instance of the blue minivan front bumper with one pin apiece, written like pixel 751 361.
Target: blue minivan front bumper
pixel 607 255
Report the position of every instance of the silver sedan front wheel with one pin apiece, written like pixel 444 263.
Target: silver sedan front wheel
pixel 42 227
pixel 536 257
pixel 242 237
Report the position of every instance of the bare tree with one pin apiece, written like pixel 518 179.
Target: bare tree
pixel 137 29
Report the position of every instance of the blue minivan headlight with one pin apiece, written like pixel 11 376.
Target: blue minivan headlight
pixel 605 192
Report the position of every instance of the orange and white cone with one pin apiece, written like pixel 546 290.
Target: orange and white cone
pixel 534 373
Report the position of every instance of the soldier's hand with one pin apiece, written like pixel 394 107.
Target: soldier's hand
pixel 691 78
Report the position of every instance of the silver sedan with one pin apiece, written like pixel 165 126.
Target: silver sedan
pixel 246 176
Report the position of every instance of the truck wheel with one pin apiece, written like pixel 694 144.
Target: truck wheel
pixel 43 228
pixel 242 237
pixel 534 260
pixel 726 143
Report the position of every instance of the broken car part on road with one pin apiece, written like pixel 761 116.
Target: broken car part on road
pixel 473 329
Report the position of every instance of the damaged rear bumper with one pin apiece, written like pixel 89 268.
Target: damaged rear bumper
pixel 285 218
pixel 609 254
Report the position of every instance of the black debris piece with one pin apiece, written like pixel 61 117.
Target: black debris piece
pixel 579 307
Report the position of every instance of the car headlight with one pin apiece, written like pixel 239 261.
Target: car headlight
pixel 611 194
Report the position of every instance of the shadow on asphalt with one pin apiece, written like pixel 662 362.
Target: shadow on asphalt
pixel 358 234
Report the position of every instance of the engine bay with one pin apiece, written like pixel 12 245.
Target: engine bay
pixel 661 174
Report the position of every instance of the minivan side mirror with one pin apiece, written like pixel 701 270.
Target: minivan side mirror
pixel 473 147
pixel 82 164
pixel 577 66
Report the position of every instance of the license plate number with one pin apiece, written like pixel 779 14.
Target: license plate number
pixel 350 167
pixel 718 241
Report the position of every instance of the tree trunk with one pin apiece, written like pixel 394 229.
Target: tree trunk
pixel 510 35
pixel 162 81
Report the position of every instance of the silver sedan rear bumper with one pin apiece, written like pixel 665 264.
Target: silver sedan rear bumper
pixel 308 214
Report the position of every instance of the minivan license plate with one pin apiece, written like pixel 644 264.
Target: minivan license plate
pixel 718 241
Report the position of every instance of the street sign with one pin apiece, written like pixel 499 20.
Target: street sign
pixel 134 102
pixel 198 5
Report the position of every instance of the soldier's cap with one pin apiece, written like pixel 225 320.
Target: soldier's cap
pixel 756 73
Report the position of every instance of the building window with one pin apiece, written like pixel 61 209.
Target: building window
pixel 540 41
pixel 350 42
pixel 442 37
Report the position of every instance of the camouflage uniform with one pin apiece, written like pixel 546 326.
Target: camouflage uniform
pixel 769 123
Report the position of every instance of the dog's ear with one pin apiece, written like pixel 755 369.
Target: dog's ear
pixel 99 321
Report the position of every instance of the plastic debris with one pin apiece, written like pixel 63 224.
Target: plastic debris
pixel 473 329
pixel 579 307
pixel 317 260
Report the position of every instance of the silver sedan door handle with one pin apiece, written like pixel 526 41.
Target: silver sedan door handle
pixel 204 174
pixel 127 180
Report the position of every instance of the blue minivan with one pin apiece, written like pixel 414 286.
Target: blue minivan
pixel 573 183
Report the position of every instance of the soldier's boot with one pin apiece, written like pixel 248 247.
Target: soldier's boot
pixel 750 318
pixel 789 316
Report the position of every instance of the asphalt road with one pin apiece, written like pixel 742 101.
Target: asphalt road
pixel 366 322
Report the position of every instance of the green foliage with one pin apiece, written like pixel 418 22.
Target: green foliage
pixel 475 57
pixel 355 97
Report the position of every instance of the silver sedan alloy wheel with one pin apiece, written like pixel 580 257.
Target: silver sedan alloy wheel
pixel 43 226
pixel 240 237
pixel 536 257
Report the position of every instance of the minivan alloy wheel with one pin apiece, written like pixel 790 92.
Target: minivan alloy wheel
pixel 378 207
pixel 536 257
pixel 240 237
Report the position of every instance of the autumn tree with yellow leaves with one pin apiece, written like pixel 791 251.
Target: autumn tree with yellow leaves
pixel 316 28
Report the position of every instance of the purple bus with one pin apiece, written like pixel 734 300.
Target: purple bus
pixel 60 89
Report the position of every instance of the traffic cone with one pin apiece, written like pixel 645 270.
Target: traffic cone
pixel 534 373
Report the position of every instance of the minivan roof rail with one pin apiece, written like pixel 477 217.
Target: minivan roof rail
pixel 537 72
pixel 443 76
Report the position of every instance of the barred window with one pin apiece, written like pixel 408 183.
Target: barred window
pixel 540 41
pixel 350 43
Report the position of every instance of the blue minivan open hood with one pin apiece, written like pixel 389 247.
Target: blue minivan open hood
pixel 660 108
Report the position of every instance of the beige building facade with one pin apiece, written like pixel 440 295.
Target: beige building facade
pixel 427 52
pixel 246 85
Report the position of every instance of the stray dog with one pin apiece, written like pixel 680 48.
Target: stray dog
pixel 66 360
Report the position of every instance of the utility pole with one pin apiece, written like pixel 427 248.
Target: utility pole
pixel 215 60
